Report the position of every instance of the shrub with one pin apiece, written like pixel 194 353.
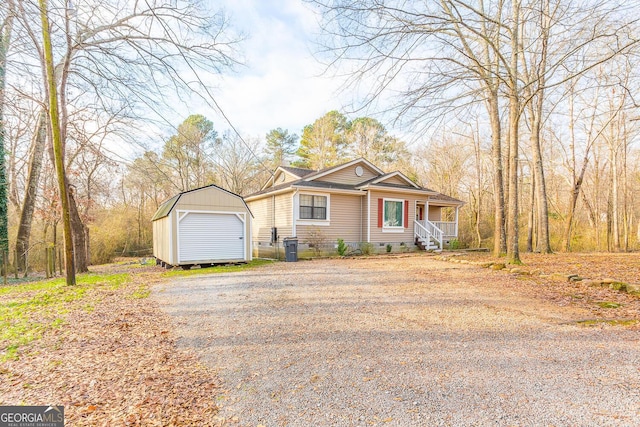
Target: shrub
pixel 342 247
pixel 366 248
pixel 316 240
pixel 389 247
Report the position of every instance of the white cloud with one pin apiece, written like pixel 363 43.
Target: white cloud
pixel 281 84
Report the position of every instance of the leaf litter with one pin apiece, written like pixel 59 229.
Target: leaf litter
pixel 113 364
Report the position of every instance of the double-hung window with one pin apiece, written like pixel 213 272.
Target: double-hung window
pixel 393 216
pixel 313 207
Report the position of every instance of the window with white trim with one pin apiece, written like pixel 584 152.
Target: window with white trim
pixel 313 207
pixel 393 214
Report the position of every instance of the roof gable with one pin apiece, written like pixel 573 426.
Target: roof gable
pixel 285 174
pixel 353 172
pixel 396 177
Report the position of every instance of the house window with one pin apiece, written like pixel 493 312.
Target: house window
pixel 393 214
pixel 313 207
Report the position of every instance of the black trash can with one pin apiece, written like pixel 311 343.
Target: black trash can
pixel 290 249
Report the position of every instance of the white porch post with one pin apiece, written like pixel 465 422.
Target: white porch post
pixel 426 212
pixel 457 207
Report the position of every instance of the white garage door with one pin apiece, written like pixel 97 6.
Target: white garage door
pixel 210 236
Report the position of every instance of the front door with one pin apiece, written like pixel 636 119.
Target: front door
pixel 419 212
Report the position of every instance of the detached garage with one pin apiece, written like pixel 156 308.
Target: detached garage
pixel 208 225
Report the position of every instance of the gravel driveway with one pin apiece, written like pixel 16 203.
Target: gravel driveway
pixel 404 341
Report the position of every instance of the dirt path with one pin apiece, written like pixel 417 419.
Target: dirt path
pixel 401 341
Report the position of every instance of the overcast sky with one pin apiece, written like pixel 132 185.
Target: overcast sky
pixel 281 84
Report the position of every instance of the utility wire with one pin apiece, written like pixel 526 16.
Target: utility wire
pixel 170 34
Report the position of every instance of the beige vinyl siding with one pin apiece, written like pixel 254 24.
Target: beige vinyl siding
pixel 348 175
pixel 287 178
pixel 283 215
pixel 263 220
pixel 345 220
pixel 435 213
pixel 377 235
pixel 162 239
pixel 394 180
pixel 204 199
pixel 278 179
pixel 267 217
pixel 365 218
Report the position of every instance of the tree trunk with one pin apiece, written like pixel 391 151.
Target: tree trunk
pixel 478 200
pixel 499 234
pixel 79 233
pixel 615 215
pixel 54 121
pixel 531 222
pixel 543 242
pixel 5 39
pixel 31 192
pixel 513 251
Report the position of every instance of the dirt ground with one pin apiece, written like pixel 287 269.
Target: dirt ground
pixel 624 267
pixel 410 341
pixel 621 267
pixel 367 341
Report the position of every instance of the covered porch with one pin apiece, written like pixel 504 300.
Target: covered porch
pixel 436 223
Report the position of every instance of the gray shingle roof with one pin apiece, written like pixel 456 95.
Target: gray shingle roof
pixel 299 172
pixel 444 198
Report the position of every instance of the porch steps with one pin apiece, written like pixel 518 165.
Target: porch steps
pixel 427 245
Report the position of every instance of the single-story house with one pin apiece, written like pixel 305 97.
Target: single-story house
pixel 354 201
pixel 204 226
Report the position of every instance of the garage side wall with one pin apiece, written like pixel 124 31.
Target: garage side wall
pixel 162 239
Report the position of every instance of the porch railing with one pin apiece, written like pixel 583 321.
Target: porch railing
pixel 428 231
pixel 449 228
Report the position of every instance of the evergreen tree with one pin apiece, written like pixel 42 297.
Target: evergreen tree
pixel 324 143
pixel 281 145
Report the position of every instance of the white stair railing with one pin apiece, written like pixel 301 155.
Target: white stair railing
pixel 428 231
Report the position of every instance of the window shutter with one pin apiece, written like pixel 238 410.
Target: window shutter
pixel 380 202
pixel 406 214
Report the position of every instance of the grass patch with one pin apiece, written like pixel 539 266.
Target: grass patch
pixel 216 269
pixel 28 310
pixel 608 304
pixel 140 293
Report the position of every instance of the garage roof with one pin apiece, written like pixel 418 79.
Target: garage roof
pixel 165 208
